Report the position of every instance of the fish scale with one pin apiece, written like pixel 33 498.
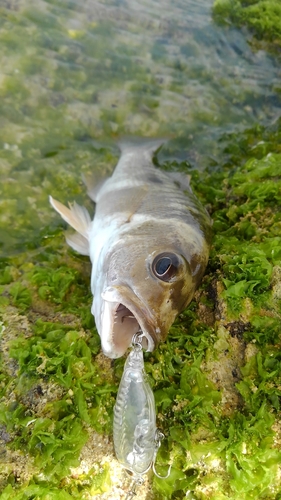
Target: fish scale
pixel 142 215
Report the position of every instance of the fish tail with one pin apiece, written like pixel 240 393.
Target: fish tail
pixel 133 145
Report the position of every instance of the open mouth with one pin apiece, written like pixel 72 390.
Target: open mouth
pixel 125 325
pixel 123 315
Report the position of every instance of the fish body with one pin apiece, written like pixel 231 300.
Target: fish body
pixel 148 244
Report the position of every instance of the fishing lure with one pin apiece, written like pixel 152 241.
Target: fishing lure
pixel 135 435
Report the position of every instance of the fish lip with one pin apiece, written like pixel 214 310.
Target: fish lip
pixel 122 295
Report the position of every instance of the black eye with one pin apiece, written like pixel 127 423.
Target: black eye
pixel 165 266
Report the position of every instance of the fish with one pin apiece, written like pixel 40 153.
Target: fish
pixel 148 243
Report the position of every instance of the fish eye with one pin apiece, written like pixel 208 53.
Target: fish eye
pixel 165 266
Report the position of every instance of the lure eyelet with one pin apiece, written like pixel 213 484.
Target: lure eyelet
pixel 137 340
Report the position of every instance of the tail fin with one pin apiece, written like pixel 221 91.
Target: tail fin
pixel 143 145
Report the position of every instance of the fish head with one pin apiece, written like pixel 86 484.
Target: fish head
pixel 147 278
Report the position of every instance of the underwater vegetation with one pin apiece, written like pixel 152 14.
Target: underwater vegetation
pixel 216 380
pixel 262 17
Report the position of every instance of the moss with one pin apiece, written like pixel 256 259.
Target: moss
pixel 209 428
pixel 68 89
pixel 216 379
pixel 262 17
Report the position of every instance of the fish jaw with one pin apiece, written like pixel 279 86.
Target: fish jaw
pixel 119 315
pixel 129 298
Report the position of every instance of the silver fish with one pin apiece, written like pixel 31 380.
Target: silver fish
pixel 149 246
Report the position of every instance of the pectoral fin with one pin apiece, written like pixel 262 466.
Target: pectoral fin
pixel 77 217
pixel 78 243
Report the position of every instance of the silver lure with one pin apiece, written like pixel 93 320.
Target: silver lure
pixel 135 435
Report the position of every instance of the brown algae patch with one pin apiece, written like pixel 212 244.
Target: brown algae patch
pixel 223 368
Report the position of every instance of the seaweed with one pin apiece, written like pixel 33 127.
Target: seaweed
pixel 216 379
pixel 262 17
pixel 69 89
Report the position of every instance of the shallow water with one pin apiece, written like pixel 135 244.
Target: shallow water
pixel 75 76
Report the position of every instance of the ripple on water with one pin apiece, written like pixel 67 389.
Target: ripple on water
pixel 72 70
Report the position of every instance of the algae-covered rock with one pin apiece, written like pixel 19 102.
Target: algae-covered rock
pixel 216 379
pixel 72 79
pixel 222 389
pixel 262 17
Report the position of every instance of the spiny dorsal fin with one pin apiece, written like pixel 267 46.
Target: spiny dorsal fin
pixel 77 217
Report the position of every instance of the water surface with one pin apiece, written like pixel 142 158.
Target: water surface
pixel 76 76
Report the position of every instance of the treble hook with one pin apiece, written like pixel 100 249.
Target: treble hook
pixel 137 481
pixel 158 475
pixel 158 438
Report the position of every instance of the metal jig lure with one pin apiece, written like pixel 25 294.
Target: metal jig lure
pixel 135 435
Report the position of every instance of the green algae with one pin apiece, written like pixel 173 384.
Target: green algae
pixel 240 441
pixel 216 379
pixel 71 82
pixel 262 17
pixel 222 432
